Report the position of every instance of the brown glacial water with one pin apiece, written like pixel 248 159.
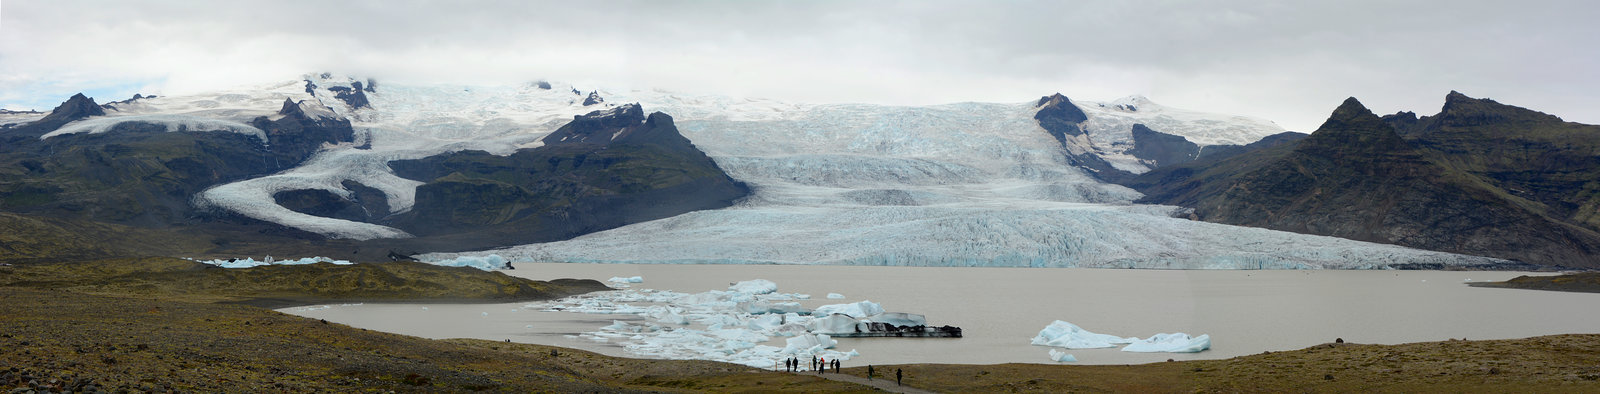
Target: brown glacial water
pixel 1001 309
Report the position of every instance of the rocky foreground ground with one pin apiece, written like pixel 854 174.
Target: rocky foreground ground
pixel 58 337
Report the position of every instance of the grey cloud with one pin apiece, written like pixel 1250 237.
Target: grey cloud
pixel 1287 61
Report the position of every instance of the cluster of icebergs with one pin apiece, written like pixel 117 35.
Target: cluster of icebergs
pixel 252 262
pixel 1067 335
pixel 726 325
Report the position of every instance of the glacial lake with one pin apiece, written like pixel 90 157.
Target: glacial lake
pixel 1001 309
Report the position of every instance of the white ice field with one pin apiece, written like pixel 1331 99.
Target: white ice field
pixel 967 184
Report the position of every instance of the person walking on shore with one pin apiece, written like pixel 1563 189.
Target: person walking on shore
pixel 824 366
pixel 897 376
pixel 869 371
pixel 836 365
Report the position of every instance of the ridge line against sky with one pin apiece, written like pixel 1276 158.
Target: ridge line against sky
pixel 1290 62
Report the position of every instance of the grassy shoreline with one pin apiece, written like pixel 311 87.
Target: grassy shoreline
pixel 161 325
pixel 1580 282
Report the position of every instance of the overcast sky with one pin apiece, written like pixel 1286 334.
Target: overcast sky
pixel 1288 61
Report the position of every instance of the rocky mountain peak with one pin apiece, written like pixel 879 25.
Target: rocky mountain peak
pixel 1353 131
pixel 1350 115
pixel 77 107
pixel 1056 112
pixel 594 98
pixel 601 126
pixel 1463 111
pixel 291 108
pixel 1133 103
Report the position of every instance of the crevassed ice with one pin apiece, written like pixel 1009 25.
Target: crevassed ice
pixel 966 184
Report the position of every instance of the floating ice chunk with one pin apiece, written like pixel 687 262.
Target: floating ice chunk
pixel 1062 357
pixel 709 298
pixel 789 307
pixel 833 324
pixel 486 263
pixel 808 343
pixel 719 320
pixel 251 262
pixel 900 319
pixel 673 318
pixel 739 334
pixel 754 286
pixel 1068 335
pixel 835 296
pixel 631 279
pixel 486 314
pixel 856 310
pixel 765 322
pixel 1170 343
pixel 790 329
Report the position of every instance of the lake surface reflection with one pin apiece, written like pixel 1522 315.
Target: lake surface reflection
pixel 1000 309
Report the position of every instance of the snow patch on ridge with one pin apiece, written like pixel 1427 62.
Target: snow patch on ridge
pixel 173 123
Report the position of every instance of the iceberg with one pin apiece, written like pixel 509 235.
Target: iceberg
pixel 754 286
pixel 1170 343
pixel 1062 357
pixel 251 262
pixel 808 343
pixel 1067 335
pixel 900 319
pixel 857 309
pixel 619 279
pixel 835 296
pixel 486 263
pixel 1070 336
pixel 833 324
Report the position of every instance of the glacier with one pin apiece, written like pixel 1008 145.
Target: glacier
pixel 962 184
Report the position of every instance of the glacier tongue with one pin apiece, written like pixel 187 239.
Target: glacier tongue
pixel 966 184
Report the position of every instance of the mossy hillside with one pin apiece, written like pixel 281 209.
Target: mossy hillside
pixel 136 174
pixel 289 284
pixel 28 238
pixel 1528 154
pixel 1583 282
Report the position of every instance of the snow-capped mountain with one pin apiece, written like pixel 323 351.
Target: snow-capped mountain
pixel 977 184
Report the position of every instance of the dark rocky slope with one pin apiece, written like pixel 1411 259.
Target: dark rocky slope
pixel 603 170
pixel 1356 177
pixel 128 191
pixel 141 174
pixel 1062 119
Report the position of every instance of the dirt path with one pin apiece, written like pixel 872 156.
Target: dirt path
pixel 878 383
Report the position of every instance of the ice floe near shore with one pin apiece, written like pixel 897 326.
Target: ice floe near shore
pixel 1067 335
pixel 252 262
pixel 731 325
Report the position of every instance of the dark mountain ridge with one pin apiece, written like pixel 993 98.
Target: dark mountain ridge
pixel 603 170
pixel 1469 180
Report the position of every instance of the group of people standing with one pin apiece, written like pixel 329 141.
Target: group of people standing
pixel 820 365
